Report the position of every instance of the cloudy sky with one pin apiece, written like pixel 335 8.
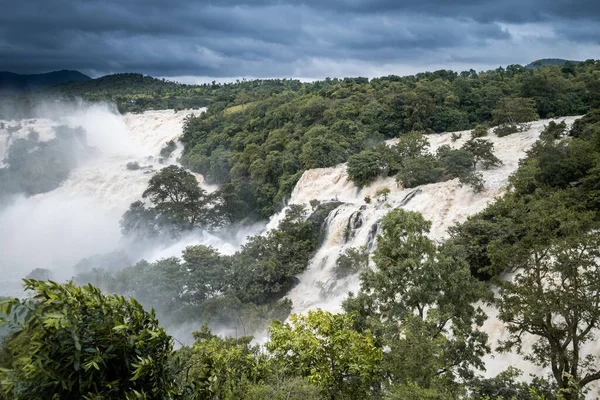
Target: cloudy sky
pixel 194 40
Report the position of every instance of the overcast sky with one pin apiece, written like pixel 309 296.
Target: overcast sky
pixel 200 40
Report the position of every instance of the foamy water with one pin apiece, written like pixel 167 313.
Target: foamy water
pixel 81 217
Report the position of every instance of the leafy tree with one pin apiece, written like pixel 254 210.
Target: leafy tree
pixel 178 204
pixel 483 152
pixel 515 112
pixel 479 131
pixel 554 131
pixel 266 266
pixel 382 193
pixel 222 368
pixel 509 385
pixel 76 342
pixel 325 349
pixel 419 302
pixel 419 171
pixel 364 167
pixel 555 299
pixel 351 261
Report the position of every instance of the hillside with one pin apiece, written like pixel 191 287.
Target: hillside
pixel 545 62
pixel 10 81
pixel 134 92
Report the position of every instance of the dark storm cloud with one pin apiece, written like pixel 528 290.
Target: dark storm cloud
pixel 287 38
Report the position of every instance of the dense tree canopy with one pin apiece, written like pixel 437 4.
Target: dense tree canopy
pixel 259 151
pixel 75 342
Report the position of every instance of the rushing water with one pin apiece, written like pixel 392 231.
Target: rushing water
pixel 81 218
pixel 54 230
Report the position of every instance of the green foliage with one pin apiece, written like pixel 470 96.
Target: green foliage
pixel 555 298
pixel 479 131
pixel 259 152
pixel 483 153
pixel 325 349
pixel 552 194
pixel 241 292
pixel 460 163
pixel 554 131
pixel 416 166
pixel 179 204
pixel 222 368
pixel 382 193
pixel 506 129
pixel 515 111
pixel 169 148
pixel 419 301
pixel 364 167
pixel 351 261
pixel 509 385
pixel 288 389
pixel 419 171
pixel 75 342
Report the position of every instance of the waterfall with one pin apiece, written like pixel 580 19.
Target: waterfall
pixel 356 223
pixel 80 218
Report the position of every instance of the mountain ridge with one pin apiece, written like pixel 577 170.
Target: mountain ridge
pixel 11 81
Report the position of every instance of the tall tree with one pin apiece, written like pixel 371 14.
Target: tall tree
pixel 325 349
pixel 77 343
pixel 556 299
pixel 420 302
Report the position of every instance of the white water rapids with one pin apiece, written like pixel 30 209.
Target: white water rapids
pixel 55 230
pixel 81 218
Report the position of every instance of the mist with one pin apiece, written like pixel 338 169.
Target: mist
pixel 79 218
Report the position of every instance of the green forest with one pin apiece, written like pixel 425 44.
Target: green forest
pixel 413 330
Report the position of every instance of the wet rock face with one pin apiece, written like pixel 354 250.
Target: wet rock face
pixel 371 238
pixel 321 214
pixel 132 165
pixel 354 222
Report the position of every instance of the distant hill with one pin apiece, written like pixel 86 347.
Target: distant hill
pixel 119 84
pixel 544 62
pixel 9 81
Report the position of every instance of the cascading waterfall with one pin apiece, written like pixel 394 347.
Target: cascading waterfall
pixel 80 218
pixel 355 223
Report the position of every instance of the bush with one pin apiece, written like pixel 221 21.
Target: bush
pixel 364 167
pixel 169 148
pixel 76 342
pixel 479 131
pixel 419 171
pixel 506 129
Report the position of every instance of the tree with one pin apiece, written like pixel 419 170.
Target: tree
pixel 479 131
pixel 555 299
pixel 222 368
pixel 177 197
pixel 321 152
pixel 515 112
pixel 419 171
pixel 364 167
pixel 76 342
pixel 351 261
pixel 324 348
pixel 483 152
pixel 178 204
pixel 382 193
pixel 419 301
